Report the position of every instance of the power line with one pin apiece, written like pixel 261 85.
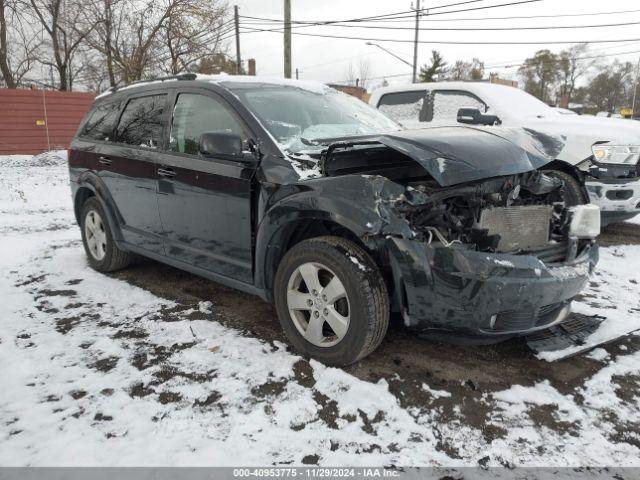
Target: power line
pixel 448 42
pixel 528 17
pixel 508 66
pixel 451 29
pixel 267 21
pixel 577 58
pixel 374 17
pixel 395 15
pixel 510 63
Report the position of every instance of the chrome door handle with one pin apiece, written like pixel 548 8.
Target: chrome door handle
pixel 166 172
pixel 104 160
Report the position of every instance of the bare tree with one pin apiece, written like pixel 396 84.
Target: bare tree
pixel 461 70
pixel 540 74
pixel 19 45
pixel 61 20
pixel 359 77
pixel 216 63
pixel 351 76
pixel 612 87
pixel 573 65
pixel 145 38
pixel 365 72
pixel 193 33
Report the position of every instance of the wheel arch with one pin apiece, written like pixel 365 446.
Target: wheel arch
pixel 89 186
pixel 577 174
pixel 275 239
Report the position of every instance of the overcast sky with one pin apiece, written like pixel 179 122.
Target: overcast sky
pixel 328 59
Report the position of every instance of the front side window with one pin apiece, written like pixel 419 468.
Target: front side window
pixel 194 115
pixel 101 122
pixel 447 103
pixel 403 106
pixel 141 122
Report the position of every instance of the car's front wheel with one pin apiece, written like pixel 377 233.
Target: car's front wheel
pixel 331 300
pixel 573 194
pixel 102 252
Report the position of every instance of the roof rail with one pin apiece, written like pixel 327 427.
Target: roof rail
pixel 179 76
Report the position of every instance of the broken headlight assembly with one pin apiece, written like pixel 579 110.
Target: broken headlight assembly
pixel 616 154
pixel 585 221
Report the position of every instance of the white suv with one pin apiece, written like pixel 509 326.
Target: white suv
pixel 599 160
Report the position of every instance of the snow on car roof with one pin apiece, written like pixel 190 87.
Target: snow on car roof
pixel 316 87
pixel 478 88
pixel 223 78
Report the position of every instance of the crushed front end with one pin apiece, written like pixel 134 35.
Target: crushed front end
pixel 490 259
pixel 474 239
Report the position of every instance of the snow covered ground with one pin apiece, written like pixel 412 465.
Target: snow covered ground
pixel 95 371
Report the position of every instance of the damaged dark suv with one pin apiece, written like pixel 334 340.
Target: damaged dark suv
pixel 318 203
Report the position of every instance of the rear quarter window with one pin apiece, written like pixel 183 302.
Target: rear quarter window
pixel 101 122
pixel 141 121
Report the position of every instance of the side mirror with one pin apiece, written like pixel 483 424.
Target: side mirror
pixel 214 144
pixel 473 116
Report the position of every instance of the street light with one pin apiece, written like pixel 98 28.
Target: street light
pixel 390 53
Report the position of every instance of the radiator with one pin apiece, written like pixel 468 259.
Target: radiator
pixel 520 228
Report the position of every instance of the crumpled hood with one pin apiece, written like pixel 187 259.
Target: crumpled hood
pixel 454 155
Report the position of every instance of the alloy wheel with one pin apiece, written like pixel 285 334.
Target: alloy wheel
pixel 95 235
pixel 318 304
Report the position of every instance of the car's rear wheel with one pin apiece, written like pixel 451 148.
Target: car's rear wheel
pixel 331 300
pixel 573 194
pixel 97 237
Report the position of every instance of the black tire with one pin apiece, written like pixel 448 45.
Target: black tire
pixel 573 192
pixel 114 258
pixel 368 300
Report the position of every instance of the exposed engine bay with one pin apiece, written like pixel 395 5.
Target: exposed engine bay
pixel 518 213
pixel 472 233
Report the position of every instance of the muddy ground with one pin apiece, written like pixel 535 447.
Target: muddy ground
pixel 405 361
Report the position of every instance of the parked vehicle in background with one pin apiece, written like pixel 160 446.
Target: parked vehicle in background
pixel 599 160
pixel 317 202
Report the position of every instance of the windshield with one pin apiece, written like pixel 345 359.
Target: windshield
pixel 519 103
pixel 297 118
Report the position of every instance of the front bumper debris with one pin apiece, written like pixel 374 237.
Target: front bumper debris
pixel 615 195
pixel 469 293
pixel 569 333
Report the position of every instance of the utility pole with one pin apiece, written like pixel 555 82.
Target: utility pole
pixel 415 42
pixel 635 92
pixel 287 38
pixel 237 24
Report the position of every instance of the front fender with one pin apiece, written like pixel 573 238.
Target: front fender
pixel 355 202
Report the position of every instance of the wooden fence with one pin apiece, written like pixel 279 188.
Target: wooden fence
pixel 34 121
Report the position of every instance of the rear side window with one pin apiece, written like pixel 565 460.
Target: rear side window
pixel 403 105
pixel 101 122
pixel 141 122
pixel 194 115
